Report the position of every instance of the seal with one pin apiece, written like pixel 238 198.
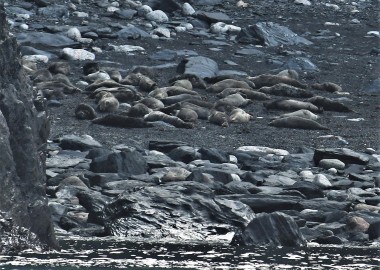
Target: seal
pixel 329 104
pixel 59 67
pixel 179 98
pixel 187 115
pixel 196 81
pixel 301 113
pixel 228 83
pixel 290 105
pixel 152 103
pixel 107 102
pixel 106 83
pixel 250 94
pixel 327 86
pixel 184 83
pixel 42 75
pixel 144 83
pixel 270 80
pixel 289 73
pixel 297 122
pixel 219 78
pixel 202 112
pixel 219 118
pixel 158 93
pixel 139 110
pixel 282 89
pixel 115 75
pixel 240 116
pixel 90 67
pixel 236 100
pixel 172 120
pixel 85 112
pixel 117 120
pixel 178 90
pixel 57 87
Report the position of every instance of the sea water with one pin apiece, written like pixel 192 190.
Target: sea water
pixel 96 255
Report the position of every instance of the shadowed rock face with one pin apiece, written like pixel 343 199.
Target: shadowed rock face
pixel 23 135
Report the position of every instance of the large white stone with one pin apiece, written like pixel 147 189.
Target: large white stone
pixel 264 150
pixel 126 48
pixel 331 163
pixel 187 9
pixel 157 16
pixel 322 181
pixel 162 32
pixel 77 54
pixel 74 33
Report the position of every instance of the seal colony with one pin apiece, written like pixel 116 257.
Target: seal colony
pixel 221 103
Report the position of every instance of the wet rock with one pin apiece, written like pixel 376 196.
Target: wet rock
pixel 275 229
pixel 23 137
pixel 195 209
pixel 15 239
pixel 270 34
pixel 374 230
pixel 268 203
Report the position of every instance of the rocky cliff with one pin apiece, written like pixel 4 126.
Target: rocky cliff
pixel 23 135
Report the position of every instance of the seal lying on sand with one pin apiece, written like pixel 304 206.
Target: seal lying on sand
pixel 107 102
pixel 290 105
pixel 152 103
pixel 85 112
pixel 144 83
pixel 116 120
pixel 286 90
pixel 327 86
pixel 139 110
pixel 297 123
pixel 329 104
pixel 172 120
pixel 187 115
pixel 270 80
pixel 240 116
pixel 219 118
pixel 300 113
pixel 251 94
pixel 236 100
pixel 184 83
pixel 228 83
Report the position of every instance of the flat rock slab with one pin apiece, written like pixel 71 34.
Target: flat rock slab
pixel 213 17
pixel 201 66
pixel 270 34
pixel 45 40
pixel 343 154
